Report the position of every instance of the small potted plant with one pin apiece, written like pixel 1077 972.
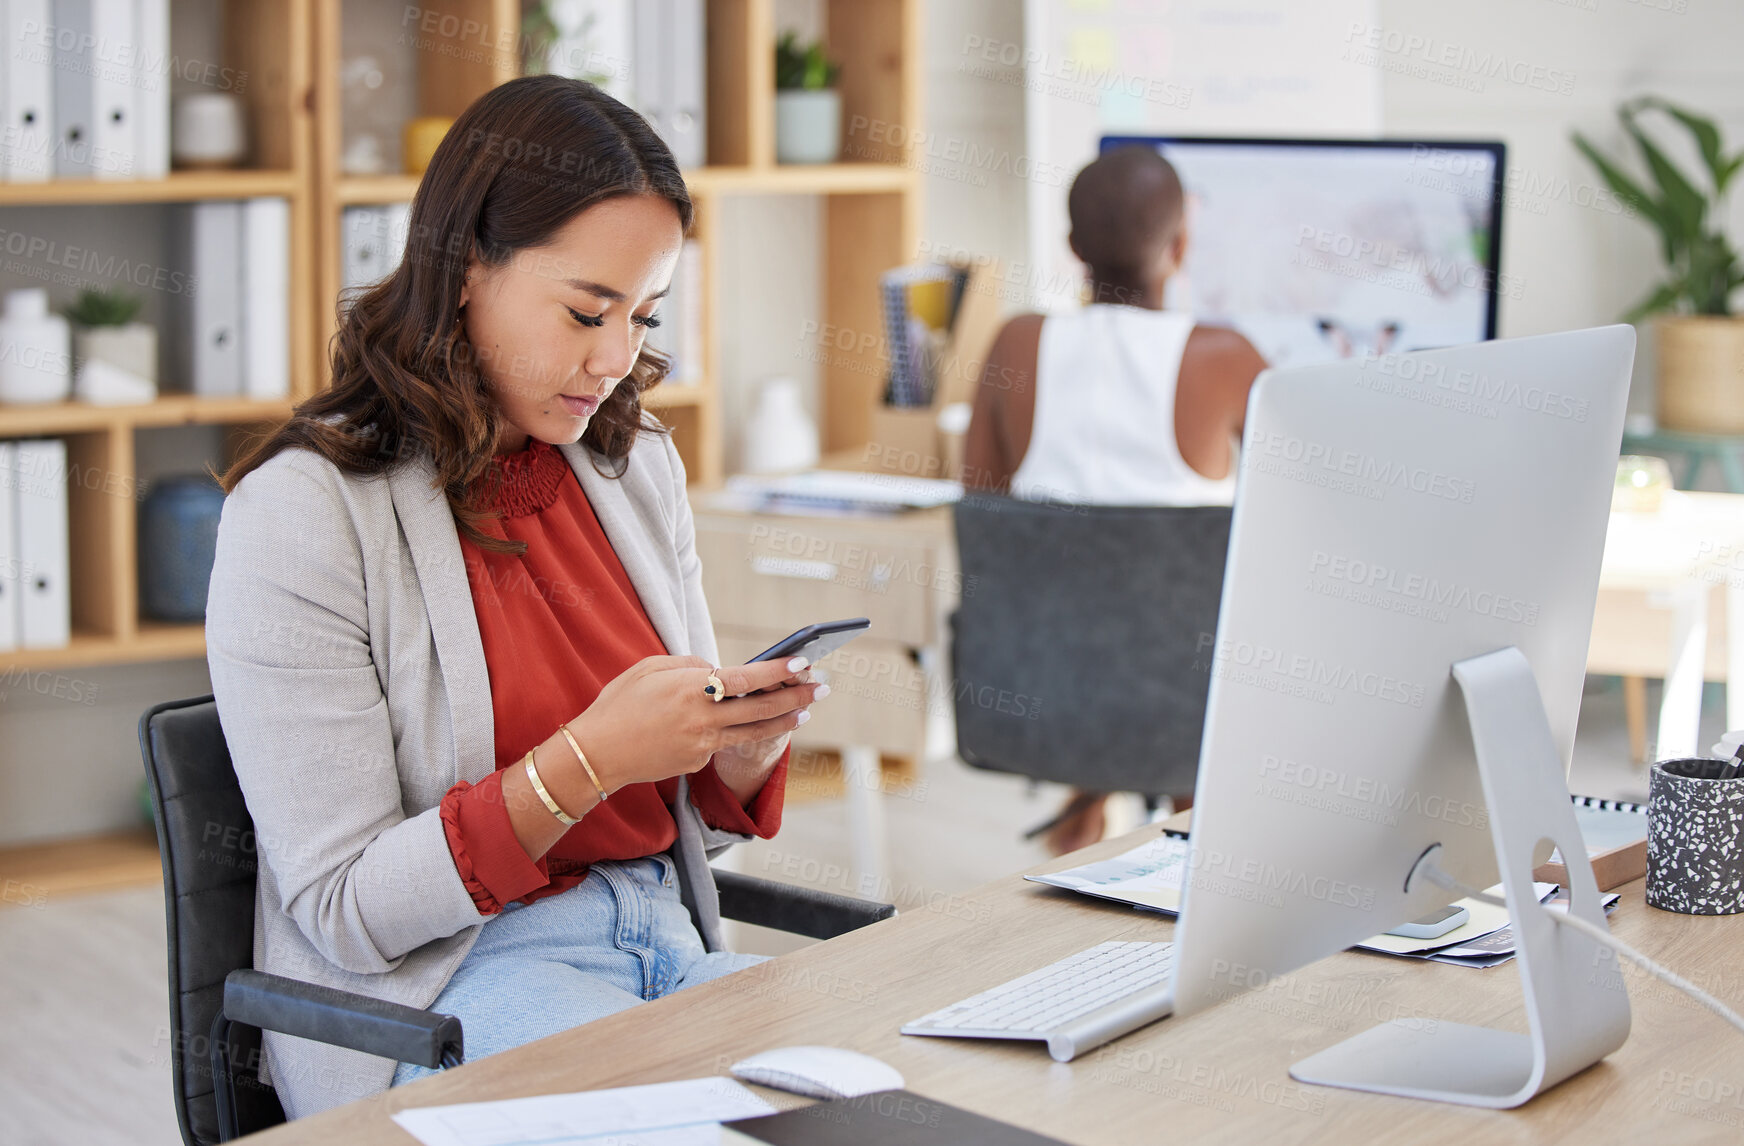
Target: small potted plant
pixel 808 109
pixel 1700 341
pixel 104 331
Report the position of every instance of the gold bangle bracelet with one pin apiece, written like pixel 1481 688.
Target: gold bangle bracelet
pixel 581 756
pixel 539 787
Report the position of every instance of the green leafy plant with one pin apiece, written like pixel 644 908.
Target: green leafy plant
pixel 104 308
pixel 806 68
pixel 1703 269
pixel 538 33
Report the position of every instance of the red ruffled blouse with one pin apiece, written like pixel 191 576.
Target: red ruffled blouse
pixel 558 623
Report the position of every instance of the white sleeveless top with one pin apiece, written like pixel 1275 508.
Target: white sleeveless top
pixel 1104 430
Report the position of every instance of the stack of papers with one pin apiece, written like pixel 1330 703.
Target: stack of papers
pixel 687 1113
pixel 1150 877
pixel 839 492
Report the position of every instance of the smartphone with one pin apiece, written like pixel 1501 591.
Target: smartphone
pixel 1434 925
pixel 814 642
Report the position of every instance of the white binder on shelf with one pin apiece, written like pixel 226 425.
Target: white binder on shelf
pixel 27 142
pixel 594 42
pixel 75 90
pixel 266 300
pixel 151 89
pixel 208 343
pixel 11 568
pixel 372 242
pixel 45 612
pixel 679 335
pixel 669 74
pixel 111 65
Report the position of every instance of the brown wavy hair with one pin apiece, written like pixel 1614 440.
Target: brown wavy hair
pixel 517 165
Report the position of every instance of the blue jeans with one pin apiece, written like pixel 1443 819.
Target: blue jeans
pixel 619 937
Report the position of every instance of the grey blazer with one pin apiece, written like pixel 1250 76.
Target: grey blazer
pixel 352 688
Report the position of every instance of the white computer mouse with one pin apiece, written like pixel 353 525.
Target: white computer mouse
pixel 818 1072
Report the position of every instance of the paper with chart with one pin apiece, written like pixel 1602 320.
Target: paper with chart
pixel 1149 875
pixel 686 1113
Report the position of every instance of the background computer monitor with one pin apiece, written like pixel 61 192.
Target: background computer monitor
pixel 1318 249
pixel 1393 515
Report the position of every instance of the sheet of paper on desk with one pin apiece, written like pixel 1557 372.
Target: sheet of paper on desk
pixel 1148 876
pixel 1497 947
pixel 1485 919
pixel 686 1113
pixel 839 492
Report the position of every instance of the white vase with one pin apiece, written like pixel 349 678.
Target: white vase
pixel 132 347
pixel 808 126
pixel 780 436
pixel 35 355
pixel 208 130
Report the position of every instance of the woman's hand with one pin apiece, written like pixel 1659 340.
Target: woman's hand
pixel 654 720
pixel 744 768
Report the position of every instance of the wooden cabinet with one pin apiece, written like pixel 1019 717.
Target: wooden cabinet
pixel 264 59
pixel 766 575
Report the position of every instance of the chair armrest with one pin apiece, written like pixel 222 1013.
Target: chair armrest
pixel 342 1019
pixel 800 910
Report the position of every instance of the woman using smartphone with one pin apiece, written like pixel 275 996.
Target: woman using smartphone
pixel 456 627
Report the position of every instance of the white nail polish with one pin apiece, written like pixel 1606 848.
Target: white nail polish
pixel 797 664
pixel 823 690
pixel 803 717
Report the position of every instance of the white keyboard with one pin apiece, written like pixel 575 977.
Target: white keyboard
pixel 1074 1005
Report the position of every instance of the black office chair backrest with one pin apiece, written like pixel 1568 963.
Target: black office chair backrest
pixel 206 837
pixel 1082 649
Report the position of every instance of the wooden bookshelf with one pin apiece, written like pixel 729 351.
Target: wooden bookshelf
pixel 872 215
pixel 168 410
pixel 269 41
pixel 179 187
pixel 360 189
pixel 292 51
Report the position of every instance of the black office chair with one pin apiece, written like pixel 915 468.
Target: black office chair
pixel 1081 651
pixel 219 1005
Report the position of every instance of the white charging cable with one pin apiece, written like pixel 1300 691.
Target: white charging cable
pixel 1434 874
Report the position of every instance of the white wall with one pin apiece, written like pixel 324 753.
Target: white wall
pixel 1577 261
pixel 1580 264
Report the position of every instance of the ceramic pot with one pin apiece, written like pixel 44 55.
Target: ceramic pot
pixel 178 542
pixel 808 126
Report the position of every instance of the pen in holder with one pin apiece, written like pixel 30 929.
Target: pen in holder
pixel 1695 836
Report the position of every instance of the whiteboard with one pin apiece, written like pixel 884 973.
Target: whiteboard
pixel 1188 67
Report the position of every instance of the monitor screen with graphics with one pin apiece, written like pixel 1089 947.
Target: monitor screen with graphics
pixel 1325 249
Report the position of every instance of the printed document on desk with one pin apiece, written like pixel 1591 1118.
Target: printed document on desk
pixel 1150 876
pixel 838 492
pixel 685 1113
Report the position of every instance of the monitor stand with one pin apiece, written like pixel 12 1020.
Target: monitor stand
pixel 1576 1008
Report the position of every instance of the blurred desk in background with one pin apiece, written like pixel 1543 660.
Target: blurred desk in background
pixel 1671 605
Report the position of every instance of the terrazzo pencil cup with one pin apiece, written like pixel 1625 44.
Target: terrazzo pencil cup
pixel 1695 838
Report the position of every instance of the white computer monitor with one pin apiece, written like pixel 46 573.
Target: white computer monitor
pixel 1319 249
pixel 1394 515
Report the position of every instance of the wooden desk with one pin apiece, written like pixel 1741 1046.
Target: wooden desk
pixel 1220 1076
pixel 1671 605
